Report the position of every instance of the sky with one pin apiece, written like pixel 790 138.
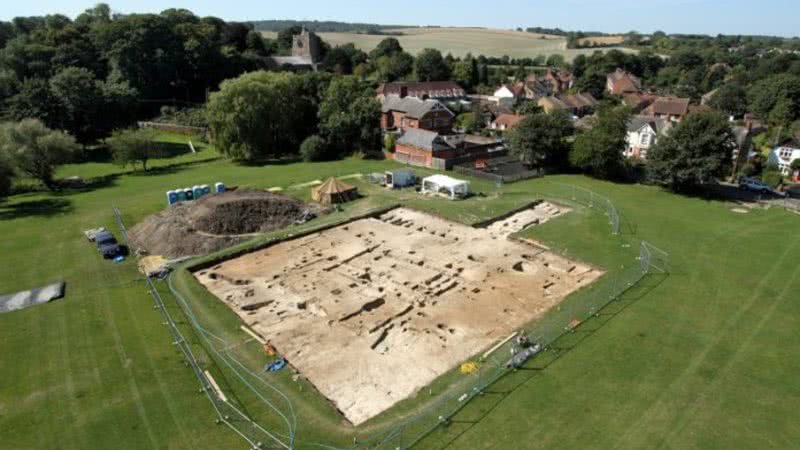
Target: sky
pixel 762 17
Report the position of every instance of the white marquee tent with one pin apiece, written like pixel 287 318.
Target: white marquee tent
pixel 442 184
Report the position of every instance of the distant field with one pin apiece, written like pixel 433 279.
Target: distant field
pixel 602 40
pixel 460 41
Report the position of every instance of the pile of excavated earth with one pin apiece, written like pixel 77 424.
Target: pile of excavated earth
pixel 373 310
pixel 215 222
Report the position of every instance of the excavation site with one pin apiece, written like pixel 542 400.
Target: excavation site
pixel 372 311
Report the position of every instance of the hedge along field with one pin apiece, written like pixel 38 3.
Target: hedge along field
pixel 460 41
pixel 702 359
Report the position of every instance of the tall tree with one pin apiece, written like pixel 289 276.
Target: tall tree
pixel 387 47
pixel 6 176
pixel 350 117
pixel 80 98
pixel 35 149
pixel 731 99
pixel 694 153
pixel 430 66
pixel 599 150
pixel 262 115
pixel 540 139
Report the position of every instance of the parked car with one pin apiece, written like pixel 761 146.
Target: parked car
pixel 107 245
pixel 756 185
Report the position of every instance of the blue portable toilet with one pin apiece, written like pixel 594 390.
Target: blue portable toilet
pixel 172 198
pixel 219 187
pixel 181 194
pixel 189 194
pixel 206 189
pixel 198 191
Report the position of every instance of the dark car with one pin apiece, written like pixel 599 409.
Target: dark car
pixel 107 245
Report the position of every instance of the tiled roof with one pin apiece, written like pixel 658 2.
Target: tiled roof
pixel 672 106
pixel 412 106
pixel 431 89
pixel 421 139
pixel 658 124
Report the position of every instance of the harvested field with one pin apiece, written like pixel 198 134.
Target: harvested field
pixel 215 222
pixel 374 310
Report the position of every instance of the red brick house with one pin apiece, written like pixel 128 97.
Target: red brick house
pixel 621 82
pixel 411 112
pixel 437 90
pixel 674 109
pixel 430 149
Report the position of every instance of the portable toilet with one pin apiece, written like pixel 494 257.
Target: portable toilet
pixel 189 194
pixel 172 198
pixel 219 187
pixel 181 194
pixel 206 189
pixel 198 191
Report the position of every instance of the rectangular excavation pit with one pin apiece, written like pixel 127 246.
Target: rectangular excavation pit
pixel 345 320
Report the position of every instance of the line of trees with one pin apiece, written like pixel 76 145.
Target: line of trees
pixel 265 115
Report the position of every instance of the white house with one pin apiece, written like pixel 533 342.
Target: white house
pixel 508 94
pixel 784 155
pixel 643 133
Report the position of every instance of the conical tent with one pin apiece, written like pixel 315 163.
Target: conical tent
pixel 334 191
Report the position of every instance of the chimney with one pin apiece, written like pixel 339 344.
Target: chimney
pixel 403 91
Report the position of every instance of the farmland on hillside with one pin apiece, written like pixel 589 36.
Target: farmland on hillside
pixel 460 41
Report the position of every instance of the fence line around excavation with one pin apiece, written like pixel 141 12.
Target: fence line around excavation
pixel 536 339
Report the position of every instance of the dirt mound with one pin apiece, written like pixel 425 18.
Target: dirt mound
pixel 216 222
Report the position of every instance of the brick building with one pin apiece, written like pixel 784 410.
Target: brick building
pixel 411 112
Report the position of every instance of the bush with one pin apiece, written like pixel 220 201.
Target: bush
pixel 772 176
pixel 389 142
pixel 314 148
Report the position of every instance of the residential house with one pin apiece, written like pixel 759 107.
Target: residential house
pixel 784 155
pixel 578 105
pixel 505 122
pixel 621 82
pixel 437 90
pixel 638 102
pixel 536 87
pixel 306 54
pixel 559 81
pixel 674 109
pixel 509 94
pixel 643 133
pixel 412 112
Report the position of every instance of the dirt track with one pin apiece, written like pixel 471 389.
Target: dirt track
pixel 372 311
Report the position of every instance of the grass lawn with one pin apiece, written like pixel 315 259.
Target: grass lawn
pixel 700 359
pixel 460 41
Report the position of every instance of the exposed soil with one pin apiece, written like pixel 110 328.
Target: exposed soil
pixel 374 310
pixel 216 222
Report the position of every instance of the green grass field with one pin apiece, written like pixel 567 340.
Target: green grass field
pixel 460 41
pixel 703 358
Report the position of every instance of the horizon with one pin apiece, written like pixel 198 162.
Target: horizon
pixel 737 17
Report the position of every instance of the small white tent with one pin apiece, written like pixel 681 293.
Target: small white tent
pixel 442 184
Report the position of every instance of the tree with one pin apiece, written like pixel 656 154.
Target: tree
pixel 6 176
pixel 132 146
pixel 599 150
pixel 539 139
pixel 555 60
pixel 389 142
pixel 262 115
pixel 350 117
pixel 395 67
pixel 80 100
pixel 526 108
pixel 694 153
pixel 313 148
pixel 776 98
pixel 730 99
pixel 35 149
pixel 387 47
pixel 430 66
